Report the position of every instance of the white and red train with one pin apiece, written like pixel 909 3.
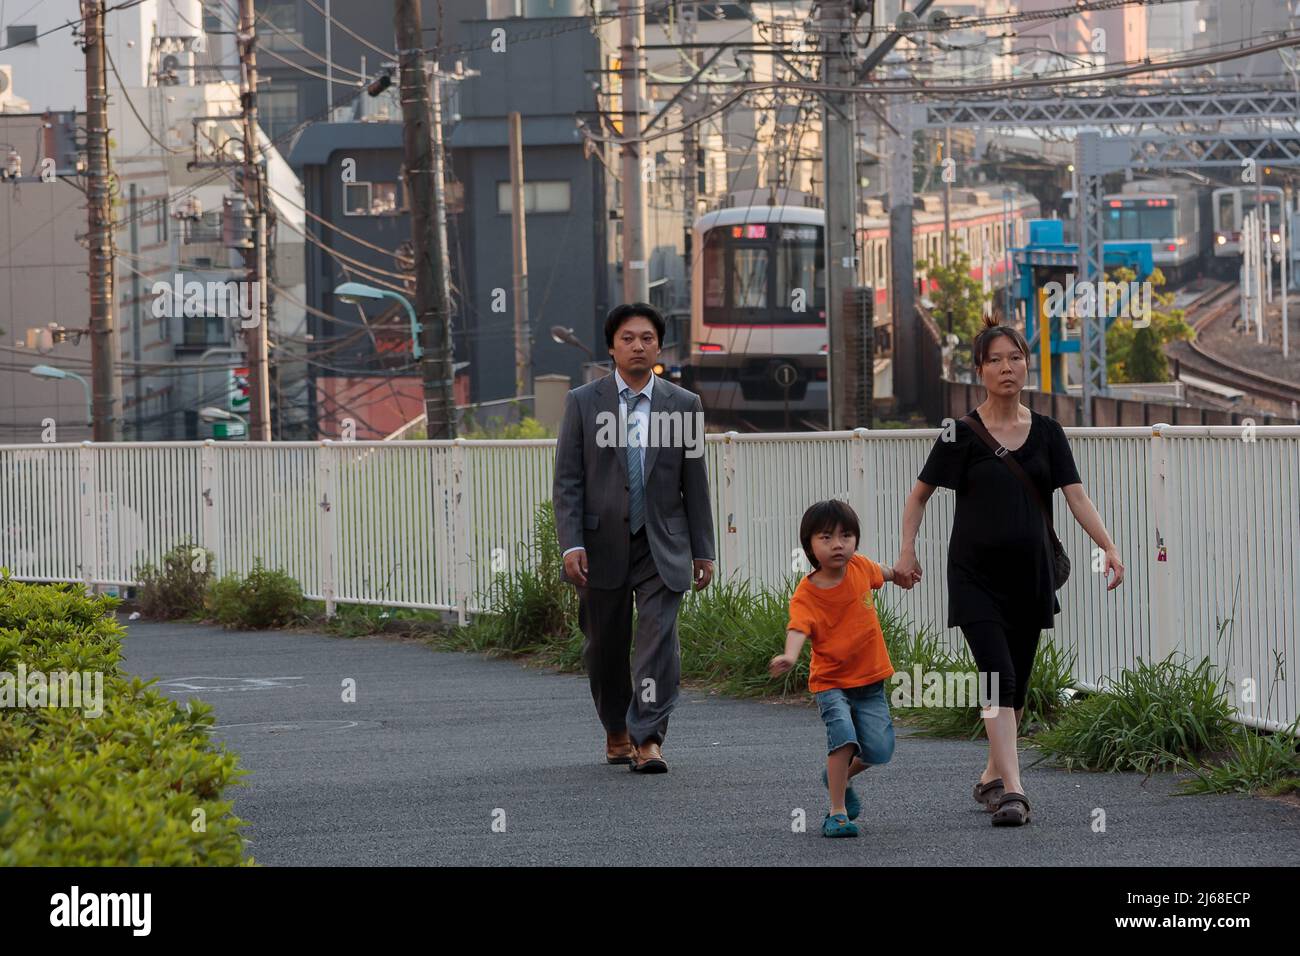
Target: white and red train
pixel 758 300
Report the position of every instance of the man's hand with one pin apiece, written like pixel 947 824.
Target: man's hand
pixel 575 567
pixel 780 664
pixel 703 573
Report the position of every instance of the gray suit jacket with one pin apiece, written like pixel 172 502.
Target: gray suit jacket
pixel 591 485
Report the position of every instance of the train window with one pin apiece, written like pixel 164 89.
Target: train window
pixel 749 278
pixel 715 272
pixel 882 263
pixel 1227 218
pixel 800 269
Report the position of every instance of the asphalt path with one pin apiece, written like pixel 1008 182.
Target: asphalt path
pixel 447 758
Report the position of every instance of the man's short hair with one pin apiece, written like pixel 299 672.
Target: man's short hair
pixel 621 313
pixel 826 516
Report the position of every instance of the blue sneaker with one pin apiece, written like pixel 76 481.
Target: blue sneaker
pixel 851 802
pixel 838 826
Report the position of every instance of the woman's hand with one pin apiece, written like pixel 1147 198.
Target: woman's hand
pixel 780 665
pixel 1113 563
pixel 907 570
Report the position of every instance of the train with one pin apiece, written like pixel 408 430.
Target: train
pixel 1231 204
pixel 758 338
pixel 1172 215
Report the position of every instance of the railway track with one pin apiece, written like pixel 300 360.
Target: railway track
pixel 1218 302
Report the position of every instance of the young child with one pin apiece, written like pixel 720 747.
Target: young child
pixel 835 606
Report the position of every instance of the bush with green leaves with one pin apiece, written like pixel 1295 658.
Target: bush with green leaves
pixel 263 600
pixel 1160 716
pixel 176 589
pixel 1255 761
pixel 139 785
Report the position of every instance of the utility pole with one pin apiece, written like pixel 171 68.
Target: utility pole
pixel 430 260
pixel 839 170
pixel 106 389
pixel 259 379
pixel 690 147
pixel 636 281
pixel 947 197
pixel 902 271
pixel 519 249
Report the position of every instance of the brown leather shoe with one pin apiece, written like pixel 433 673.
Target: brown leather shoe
pixel 648 758
pixel 618 748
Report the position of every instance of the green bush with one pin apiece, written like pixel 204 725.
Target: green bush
pixel 265 599
pixel 1155 717
pixel 140 784
pixel 176 589
pixel 534 605
pixel 1255 761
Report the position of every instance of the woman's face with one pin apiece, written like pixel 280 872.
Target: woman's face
pixel 1004 370
pixel 834 548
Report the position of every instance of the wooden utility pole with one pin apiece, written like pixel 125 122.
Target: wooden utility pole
pixel 636 277
pixel 839 165
pixel 519 250
pixel 259 379
pixel 430 281
pixel 106 389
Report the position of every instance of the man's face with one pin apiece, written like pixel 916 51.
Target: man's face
pixel 636 346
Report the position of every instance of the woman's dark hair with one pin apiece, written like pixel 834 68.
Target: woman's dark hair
pixel 986 336
pixel 621 313
pixel 826 516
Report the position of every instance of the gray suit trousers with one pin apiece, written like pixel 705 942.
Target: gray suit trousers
pixel 640 698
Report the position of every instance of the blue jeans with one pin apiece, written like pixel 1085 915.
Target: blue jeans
pixel 858 716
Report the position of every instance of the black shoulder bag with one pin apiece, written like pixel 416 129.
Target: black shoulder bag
pixel 1061 565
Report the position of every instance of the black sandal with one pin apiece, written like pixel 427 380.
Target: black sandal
pixel 1013 810
pixel 988 794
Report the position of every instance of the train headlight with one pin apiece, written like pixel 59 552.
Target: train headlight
pixel 659 368
pixel 1221 240
pixel 1277 237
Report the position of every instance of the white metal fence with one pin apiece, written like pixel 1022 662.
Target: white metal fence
pixel 1207 519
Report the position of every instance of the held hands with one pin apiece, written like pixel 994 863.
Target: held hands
pixel 780 665
pixel 907 570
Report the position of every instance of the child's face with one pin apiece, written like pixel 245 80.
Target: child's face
pixel 834 548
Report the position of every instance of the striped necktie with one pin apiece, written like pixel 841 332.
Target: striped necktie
pixel 636 480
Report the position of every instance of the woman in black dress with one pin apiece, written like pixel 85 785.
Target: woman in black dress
pixel 1001 577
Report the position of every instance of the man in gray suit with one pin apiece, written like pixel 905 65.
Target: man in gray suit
pixel 633 517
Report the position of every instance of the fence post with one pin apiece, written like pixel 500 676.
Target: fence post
pixel 733 508
pixel 860 485
pixel 460 529
pixel 86 502
pixel 326 518
pixel 1163 582
pixel 209 538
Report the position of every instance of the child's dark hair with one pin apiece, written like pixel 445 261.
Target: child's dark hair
pixel 826 516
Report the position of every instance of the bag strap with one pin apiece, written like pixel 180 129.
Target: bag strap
pixel 1004 453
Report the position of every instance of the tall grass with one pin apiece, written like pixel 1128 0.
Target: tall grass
pixel 1158 716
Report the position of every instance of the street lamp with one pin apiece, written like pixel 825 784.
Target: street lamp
pixel 214 414
pixel 55 374
pixel 562 336
pixel 356 291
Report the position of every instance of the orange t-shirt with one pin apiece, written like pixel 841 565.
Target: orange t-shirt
pixel 848 645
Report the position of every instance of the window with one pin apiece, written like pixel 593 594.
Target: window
pixel 281 21
pixel 799 267
pixel 749 279
pixel 160 234
pixel 539 196
pixel 372 199
pixel 278 110
pixel 715 271
pixel 18 35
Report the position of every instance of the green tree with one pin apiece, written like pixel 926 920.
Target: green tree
pixel 958 299
pixel 1137 354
